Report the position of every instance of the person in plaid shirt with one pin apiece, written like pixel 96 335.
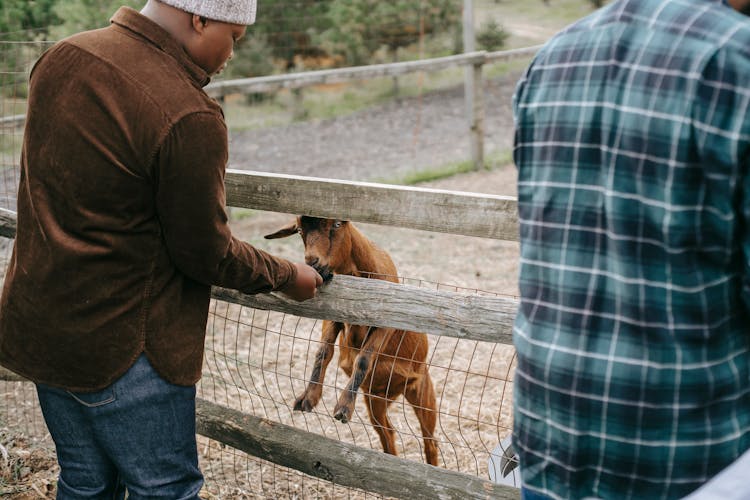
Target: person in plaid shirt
pixel 633 330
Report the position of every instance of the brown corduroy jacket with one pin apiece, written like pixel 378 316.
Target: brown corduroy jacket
pixel 121 220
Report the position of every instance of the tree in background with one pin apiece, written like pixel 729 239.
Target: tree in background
pixel 358 28
pixel 491 36
pixel 253 56
pixel 287 33
pixel 21 21
pixel 27 19
pixel 286 28
pixel 81 15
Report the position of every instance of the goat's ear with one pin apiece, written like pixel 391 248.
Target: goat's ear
pixel 285 231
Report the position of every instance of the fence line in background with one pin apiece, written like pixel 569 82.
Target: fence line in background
pixel 354 73
pixel 474 61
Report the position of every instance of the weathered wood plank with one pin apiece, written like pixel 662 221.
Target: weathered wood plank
pixel 342 75
pixel 9 376
pixel 7 223
pixel 454 212
pixel 342 463
pixel 512 54
pixel 339 75
pixel 381 303
pixel 12 121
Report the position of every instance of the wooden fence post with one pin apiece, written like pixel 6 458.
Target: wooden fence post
pixel 473 90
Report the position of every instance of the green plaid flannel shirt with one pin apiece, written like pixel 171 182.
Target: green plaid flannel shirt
pixel 633 331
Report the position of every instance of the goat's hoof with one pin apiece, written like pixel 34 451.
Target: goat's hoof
pixel 342 414
pixel 303 404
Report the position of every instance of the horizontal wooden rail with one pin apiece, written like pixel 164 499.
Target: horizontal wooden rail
pixel 331 460
pixel 371 302
pixel 380 303
pixel 469 214
pixel 340 75
pixel 342 463
pixel 12 121
pixel 9 376
pixel 512 54
pixel 7 223
pixel 454 212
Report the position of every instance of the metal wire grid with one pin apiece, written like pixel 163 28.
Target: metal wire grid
pixel 259 361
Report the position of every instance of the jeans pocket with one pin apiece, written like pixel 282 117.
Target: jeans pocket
pixel 94 399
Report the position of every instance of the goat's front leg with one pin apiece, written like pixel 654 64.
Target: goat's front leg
pixel 310 398
pixel 345 405
pixel 375 340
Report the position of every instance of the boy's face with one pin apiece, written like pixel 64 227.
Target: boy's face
pixel 214 44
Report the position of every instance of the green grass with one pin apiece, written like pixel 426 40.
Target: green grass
pixel 492 161
pixel 434 174
pixel 551 16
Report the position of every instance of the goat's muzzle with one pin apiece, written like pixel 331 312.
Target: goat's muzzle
pixel 323 270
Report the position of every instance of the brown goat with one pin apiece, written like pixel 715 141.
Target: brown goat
pixel 385 362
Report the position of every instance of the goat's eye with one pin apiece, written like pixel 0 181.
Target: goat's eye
pixel 337 224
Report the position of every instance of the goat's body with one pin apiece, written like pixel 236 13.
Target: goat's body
pixel 384 362
pixel 396 366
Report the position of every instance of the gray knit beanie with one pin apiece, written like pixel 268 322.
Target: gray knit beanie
pixel 230 11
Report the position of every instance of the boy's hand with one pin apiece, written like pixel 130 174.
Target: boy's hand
pixel 305 284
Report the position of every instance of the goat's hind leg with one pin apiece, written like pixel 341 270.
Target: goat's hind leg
pixel 377 408
pixel 421 395
pixel 311 397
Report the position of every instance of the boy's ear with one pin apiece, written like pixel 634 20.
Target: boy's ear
pixel 285 231
pixel 198 23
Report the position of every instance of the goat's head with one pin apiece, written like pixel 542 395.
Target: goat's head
pixel 328 243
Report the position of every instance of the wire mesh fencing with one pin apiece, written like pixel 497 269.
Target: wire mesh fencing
pixel 259 361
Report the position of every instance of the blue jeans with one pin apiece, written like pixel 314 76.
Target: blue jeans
pixel 137 434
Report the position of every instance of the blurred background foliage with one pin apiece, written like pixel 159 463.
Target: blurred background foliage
pixel 289 35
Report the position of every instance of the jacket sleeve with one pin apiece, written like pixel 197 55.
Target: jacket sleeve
pixel 190 204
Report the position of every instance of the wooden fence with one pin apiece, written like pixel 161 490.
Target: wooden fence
pixel 370 302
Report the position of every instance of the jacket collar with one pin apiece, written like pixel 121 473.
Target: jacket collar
pixel 134 21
